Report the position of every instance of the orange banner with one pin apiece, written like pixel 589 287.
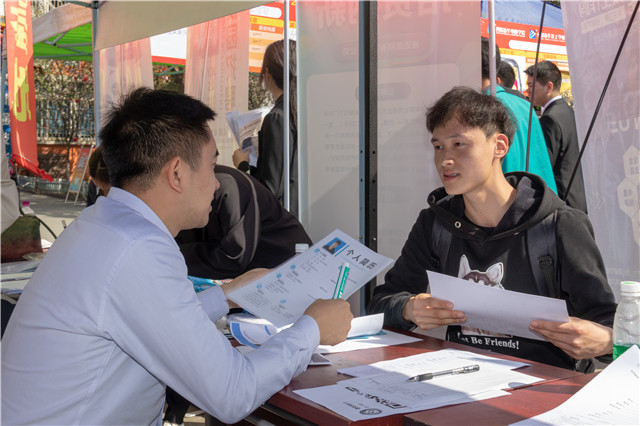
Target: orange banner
pixel 267 26
pixel 22 97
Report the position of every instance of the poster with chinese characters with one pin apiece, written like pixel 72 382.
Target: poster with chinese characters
pixel 284 294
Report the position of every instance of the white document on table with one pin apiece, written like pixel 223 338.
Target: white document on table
pixel 611 398
pixel 283 295
pixel 389 392
pixel 495 309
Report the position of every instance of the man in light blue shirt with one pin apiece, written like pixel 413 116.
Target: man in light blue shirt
pixel 87 342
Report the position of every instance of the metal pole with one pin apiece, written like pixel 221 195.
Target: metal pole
pixel 492 47
pixel 96 73
pixel 368 99
pixel 286 159
pixel 533 87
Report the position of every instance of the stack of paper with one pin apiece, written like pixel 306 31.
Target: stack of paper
pixel 382 389
pixel 609 399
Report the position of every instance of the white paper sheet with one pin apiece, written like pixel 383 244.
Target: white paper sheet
pixel 611 398
pixel 445 358
pixel 383 338
pixel 494 309
pixel 282 295
pixel 388 393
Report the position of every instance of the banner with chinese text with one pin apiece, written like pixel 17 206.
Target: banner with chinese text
pixel 267 26
pixel 22 97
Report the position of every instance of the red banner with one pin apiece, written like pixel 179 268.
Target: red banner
pixel 22 97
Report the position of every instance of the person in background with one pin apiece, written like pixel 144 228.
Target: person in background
pixel 271 162
pixel 9 193
pixel 516 160
pixel 109 318
pixel 99 174
pixel 489 218
pixel 558 124
pixel 247 229
pixel 506 78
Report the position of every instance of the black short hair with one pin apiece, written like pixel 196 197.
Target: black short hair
pixel 546 72
pixel 485 57
pixel 146 129
pixel 472 109
pixel 506 74
pixel 97 168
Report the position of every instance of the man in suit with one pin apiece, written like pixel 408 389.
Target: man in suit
pixel 559 127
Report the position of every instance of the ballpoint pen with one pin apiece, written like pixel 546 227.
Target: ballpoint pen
pixel 429 376
pixel 341 281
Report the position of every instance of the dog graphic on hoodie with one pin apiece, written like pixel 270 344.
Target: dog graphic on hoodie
pixel 492 277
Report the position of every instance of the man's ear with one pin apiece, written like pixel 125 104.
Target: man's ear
pixel 502 146
pixel 173 172
pixel 548 88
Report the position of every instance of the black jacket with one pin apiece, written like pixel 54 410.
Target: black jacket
pixel 270 168
pixel 247 229
pixel 558 124
pixel 581 270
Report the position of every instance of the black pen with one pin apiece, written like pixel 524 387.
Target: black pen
pixel 429 376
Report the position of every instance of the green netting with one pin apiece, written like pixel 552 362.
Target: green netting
pixel 74 45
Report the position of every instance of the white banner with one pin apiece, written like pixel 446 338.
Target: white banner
pixel 424 49
pixel 611 162
pixel 123 68
pixel 216 72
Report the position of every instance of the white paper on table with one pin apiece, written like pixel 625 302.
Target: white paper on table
pixel 383 338
pixel 390 393
pixel 429 361
pixel 354 405
pixel 495 309
pixel 366 325
pixel 284 294
pixel 611 398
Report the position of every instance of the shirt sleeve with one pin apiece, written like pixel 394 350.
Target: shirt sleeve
pixel 583 279
pixel 552 136
pixel 154 315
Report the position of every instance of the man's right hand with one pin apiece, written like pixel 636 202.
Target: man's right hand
pixel 428 312
pixel 333 317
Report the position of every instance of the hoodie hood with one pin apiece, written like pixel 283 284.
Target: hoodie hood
pixel 534 201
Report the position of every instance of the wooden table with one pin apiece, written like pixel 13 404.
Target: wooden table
pixel 286 407
pixel 522 404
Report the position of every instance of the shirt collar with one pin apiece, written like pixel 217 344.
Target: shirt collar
pixel 128 199
pixel 550 102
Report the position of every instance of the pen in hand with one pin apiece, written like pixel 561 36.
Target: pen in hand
pixel 341 281
pixel 429 376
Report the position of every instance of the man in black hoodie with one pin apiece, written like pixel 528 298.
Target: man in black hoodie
pixel 488 215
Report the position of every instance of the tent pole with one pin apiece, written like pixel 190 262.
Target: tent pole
pixel 492 47
pixel 368 145
pixel 533 86
pixel 96 72
pixel 604 91
pixel 285 87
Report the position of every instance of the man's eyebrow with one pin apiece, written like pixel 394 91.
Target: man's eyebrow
pixel 455 135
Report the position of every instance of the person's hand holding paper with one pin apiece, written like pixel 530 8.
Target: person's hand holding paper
pixel 579 338
pixel 428 312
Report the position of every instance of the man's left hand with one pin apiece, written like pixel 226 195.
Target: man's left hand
pixel 579 338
